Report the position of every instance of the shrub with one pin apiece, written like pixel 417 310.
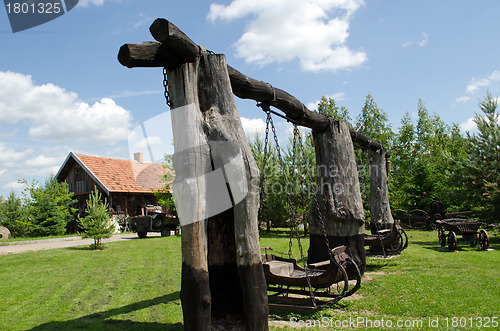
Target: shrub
pixel 97 224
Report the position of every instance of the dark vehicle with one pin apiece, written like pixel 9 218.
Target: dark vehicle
pixel 155 220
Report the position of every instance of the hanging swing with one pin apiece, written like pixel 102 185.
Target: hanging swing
pixel 284 275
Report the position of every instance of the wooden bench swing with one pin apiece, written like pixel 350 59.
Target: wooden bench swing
pixel 387 241
pixel 284 276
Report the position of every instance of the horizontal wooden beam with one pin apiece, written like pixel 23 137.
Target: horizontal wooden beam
pixel 174 48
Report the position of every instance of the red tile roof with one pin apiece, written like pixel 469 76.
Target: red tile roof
pixel 116 175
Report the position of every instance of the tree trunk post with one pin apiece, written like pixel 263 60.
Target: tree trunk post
pixel 338 197
pixel 380 209
pixel 222 277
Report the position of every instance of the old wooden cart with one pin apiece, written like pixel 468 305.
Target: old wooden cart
pixel 466 228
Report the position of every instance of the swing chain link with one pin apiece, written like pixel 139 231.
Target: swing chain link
pixel 263 174
pixel 165 87
pixel 316 203
pixel 290 203
pixel 332 255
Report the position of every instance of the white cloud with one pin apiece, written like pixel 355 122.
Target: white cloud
pixel 468 125
pixel 421 43
pixel 476 84
pixel 55 114
pixel 313 31
pixel 339 96
pixel 27 163
pixel 142 21
pixel 463 99
pixel 471 126
pixel 251 126
pixel 87 3
pixel 11 158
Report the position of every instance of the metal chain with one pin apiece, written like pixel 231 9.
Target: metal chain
pixel 290 202
pixel 320 215
pixel 263 174
pixel 293 193
pixel 165 86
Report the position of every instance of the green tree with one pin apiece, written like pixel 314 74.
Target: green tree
pixel 328 107
pixel 422 170
pixel 274 207
pixel 49 207
pixel 13 216
pixel 373 122
pixel 484 161
pixel 97 224
pixel 301 174
pixel 164 194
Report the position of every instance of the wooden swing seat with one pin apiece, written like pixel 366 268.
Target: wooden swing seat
pixel 286 271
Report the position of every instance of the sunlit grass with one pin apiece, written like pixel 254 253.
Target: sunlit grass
pixel 135 284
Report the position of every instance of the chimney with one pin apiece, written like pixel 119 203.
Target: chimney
pixel 139 157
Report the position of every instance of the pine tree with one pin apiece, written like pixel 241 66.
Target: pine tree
pixel 484 166
pixel 328 107
pixel 13 216
pixel 49 208
pixel 97 224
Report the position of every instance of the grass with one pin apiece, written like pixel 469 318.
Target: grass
pixel 135 284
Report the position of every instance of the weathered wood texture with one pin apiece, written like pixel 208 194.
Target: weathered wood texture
pixel 338 195
pixel 175 48
pixel 222 274
pixel 380 208
pixel 195 289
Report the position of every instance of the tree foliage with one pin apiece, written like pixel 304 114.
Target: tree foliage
pixel 164 194
pixel 13 215
pixel 431 160
pixel 48 207
pixel 97 224
pixel 480 169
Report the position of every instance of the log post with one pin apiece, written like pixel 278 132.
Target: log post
pixel 338 197
pixel 380 209
pixel 195 288
pixel 222 275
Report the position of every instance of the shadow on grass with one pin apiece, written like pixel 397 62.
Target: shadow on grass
pixel 103 321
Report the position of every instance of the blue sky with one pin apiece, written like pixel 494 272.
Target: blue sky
pixel 63 90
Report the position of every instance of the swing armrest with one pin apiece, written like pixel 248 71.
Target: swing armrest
pixel 319 264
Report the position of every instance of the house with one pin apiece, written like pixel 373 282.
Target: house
pixel 127 185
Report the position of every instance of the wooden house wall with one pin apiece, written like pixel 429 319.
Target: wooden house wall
pixel 79 181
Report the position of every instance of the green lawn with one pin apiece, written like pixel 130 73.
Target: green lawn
pixel 135 285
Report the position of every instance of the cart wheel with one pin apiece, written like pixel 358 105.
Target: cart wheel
pixel 452 241
pixel 405 239
pixel 165 232
pixel 484 240
pixel 442 236
pixel 142 234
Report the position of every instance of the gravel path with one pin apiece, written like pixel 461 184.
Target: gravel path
pixel 37 245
